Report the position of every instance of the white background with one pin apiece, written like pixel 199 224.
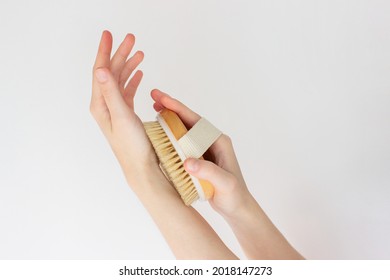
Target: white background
pixel 302 87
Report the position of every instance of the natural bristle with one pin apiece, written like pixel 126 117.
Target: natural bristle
pixel 171 163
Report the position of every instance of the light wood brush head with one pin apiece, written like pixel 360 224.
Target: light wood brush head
pixel 172 161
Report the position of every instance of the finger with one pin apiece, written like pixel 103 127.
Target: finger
pixel 188 116
pixel 119 59
pixel 223 155
pixel 112 96
pixel 129 67
pixel 102 60
pixel 158 107
pixel 221 179
pixel 98 105
pixel 131 88
pixel 104 51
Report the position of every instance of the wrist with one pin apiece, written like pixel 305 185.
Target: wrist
pixel 245 209
pixel 149 181
pixel 137 171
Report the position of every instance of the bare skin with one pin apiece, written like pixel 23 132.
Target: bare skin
pixel 186 232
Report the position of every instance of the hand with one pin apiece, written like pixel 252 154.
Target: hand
pixel 221 167
pixel 112 106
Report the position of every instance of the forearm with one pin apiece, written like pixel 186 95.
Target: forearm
pixel 188 235
pixel 257 235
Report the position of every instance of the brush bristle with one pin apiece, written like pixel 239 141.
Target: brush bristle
pixel 171 163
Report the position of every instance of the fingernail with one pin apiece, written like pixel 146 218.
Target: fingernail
pixel 101 75
pixel 163 93
pixel 192 164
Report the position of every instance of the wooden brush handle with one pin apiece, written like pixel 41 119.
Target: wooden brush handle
pixel 178 130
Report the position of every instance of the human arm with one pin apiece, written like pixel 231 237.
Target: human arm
pixel 112 105
pixel 257 235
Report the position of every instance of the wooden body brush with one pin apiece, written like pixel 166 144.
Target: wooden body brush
pixel 173 143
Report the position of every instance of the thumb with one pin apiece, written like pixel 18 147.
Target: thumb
pixel 109 89
pixel 207 170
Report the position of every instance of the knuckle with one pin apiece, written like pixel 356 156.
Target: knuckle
pixel 226 140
